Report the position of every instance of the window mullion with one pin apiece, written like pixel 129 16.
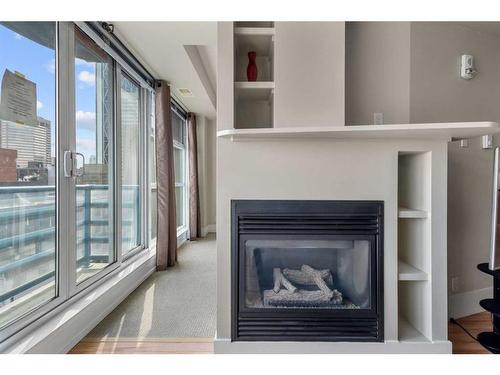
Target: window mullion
pixel 67 201
pixel 118 165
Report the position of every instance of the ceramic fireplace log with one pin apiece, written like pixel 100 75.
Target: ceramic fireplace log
pixel 280 279
pixel 318 280
pixel 304 278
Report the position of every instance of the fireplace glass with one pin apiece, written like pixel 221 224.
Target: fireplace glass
pixel 307 274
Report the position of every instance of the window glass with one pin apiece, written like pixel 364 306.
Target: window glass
pixel 152 166
pixel 179 130
pixel 94 130
pixel 27 167
pixel 130 192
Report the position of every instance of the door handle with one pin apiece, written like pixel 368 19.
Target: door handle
pixel 79 172
pixel 70 166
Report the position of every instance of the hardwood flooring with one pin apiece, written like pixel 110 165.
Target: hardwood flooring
pixel 144 346
pixel 462 343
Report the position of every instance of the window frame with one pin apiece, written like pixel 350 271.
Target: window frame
pixel 61 257
pixel 183 229
pixel 67 290
pixel 73 286
pixel 121 72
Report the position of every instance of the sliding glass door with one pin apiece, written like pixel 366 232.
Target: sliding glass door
pixel 130 126
pixel 28 187
pixel 93 76
pixel 74 176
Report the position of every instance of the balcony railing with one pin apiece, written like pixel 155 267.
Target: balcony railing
pixel 28 232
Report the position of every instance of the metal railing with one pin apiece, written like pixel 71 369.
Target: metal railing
pixel 28 230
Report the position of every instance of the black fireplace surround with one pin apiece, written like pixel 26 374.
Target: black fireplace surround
pixel 307 270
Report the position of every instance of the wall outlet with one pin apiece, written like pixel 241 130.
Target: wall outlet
pixel 455 284
pixel 487 141
pixel 378 118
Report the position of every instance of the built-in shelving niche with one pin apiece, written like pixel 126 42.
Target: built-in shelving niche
pixel 414 247
pixel 254 101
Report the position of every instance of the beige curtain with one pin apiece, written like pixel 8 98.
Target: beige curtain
pixel 194 196
pixel 166 242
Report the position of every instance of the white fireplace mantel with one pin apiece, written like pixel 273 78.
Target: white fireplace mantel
pixel 431 131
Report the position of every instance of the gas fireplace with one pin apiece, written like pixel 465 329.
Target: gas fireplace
pixel 307 270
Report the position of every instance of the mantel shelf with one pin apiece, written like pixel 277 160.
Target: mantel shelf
pixel 431 131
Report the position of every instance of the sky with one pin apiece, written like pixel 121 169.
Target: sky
pixel 37 63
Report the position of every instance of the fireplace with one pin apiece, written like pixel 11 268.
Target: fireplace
pixel 307 270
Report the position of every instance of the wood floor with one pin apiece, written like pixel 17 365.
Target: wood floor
pixel 462 343
pixel 144 346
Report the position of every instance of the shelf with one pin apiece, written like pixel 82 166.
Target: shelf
pixel 434 131
pixel 409 213
pixel 254 24
pixel 408 333
pixel 491 305
pixel 484 267
pixel 407 272
pixel 258 39
pixel 269 31
pixel 245 85
pixel 254 90
pixel 490 340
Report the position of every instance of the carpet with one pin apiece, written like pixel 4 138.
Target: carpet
pixel 179 302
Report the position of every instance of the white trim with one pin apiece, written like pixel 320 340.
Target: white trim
pixel 182 237
pixel 465 304
pixel 226 346
pixel 210 228
pixel 66 328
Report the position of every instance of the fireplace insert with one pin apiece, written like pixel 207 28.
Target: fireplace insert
pixel 307 270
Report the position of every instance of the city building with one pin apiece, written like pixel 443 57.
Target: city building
pixel 32 143
pixel 8 165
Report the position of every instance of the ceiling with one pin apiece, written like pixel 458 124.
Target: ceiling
pixel 181 53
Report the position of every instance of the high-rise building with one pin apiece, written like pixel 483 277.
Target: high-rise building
pixel 8 171
pixel 32 143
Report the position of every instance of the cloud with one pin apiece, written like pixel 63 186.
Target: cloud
pixel 18 36
pixel 86 146
pixel 87 77
pixel 82 62
pixel 51 66
pixel 85 120
pixel 39 104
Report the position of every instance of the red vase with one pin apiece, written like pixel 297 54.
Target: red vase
pixel 252 67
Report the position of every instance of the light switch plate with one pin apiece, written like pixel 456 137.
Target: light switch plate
pixel 378 118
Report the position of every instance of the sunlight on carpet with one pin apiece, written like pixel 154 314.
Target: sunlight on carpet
pixel 179 302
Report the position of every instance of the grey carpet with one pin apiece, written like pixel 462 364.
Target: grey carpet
pixel 179 302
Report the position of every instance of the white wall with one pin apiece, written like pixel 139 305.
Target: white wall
pixel 206 130
pixel 436 94
pixel 309 74
pixel 211 142
pixel 377 72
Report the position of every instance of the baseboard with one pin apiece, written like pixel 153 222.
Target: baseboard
pixel 465 304
pixel 208 229
pixel 226 346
